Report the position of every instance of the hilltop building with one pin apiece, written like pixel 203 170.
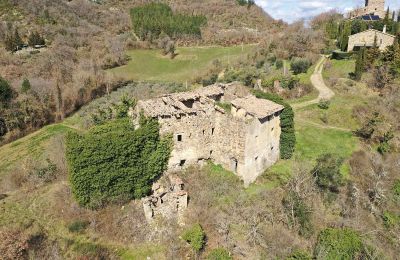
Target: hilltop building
pixel 373 10
pixel 238 131
pixel 367 38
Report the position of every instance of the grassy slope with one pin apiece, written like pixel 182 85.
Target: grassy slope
pixel 314 137
pixel 190 62
pixel 22 210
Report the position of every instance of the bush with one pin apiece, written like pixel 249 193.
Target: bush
pixel 390 219
pixel 341 55
pixel 324 104
pixel 195 236
pixel 26 86
pixel 210 80
pixel 219 254
pixel 114 162
pixel 279 64
pixel 6 92
pixel 327 172
pixel 335 243
pixel 288 136
pixel 300 65
pixel 78 226
pixel 299 255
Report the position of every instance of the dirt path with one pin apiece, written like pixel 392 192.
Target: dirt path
pixel 317 81
pixel 325 93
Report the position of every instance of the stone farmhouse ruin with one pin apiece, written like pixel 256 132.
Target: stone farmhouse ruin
pixel 367 38
pixel 373 10
pixel 221 123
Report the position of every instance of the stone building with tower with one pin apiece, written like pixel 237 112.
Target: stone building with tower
pixel 222 123
pixel 373 9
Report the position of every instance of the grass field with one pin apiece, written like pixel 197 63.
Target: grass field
pixel 189 63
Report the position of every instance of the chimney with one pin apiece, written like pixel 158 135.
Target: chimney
pixel 384 29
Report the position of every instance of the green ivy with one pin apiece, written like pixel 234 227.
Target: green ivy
pixel 288 135
pixel 113 162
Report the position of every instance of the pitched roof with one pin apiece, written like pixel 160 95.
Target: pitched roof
pixel 259 108
pixel 373 30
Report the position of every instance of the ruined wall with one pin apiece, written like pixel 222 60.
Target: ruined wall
pixel 367 38
pixel 262 146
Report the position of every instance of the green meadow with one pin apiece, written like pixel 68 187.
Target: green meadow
pixel 189 63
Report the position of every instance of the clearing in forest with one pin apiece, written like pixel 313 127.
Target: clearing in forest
pixel 189 63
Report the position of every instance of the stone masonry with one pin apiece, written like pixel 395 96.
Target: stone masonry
pixel 372 7
pixel 218 123
pixel 367 38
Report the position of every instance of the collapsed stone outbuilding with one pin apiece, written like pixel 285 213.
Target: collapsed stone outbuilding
pixel 218 123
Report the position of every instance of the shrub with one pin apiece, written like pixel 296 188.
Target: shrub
pixel 288 136
pixel 26 86
pixel 78 226
pixel 300 65
pixel 6 92
pixel 327 172
pixel 279 64
pixel 195 236
pixel 114 162
pixel 324 104
pixel 210 80
pixel 299 255
pixel 390 219
pixel 335 243
pixel 219 254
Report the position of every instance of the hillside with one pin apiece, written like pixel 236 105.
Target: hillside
pixel 86 38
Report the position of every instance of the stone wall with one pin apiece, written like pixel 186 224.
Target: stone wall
pixel 367 38
pixel 374 7
pixel 262 146
pixel 244 139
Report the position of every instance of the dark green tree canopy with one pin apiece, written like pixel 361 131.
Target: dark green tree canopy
pixel 6 92
pixel 151 20
pixel 113 162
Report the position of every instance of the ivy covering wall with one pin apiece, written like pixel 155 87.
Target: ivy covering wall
pixel 288 135
pixel 115 163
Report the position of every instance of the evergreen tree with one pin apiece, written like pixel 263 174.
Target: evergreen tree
pixel 18 43
pixel 35 39
pixel 26 86
pixel 360 63
pixel 6 92
pixel 344 35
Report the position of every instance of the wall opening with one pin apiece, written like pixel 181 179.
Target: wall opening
pixel 234 165
pixel 182 163
pixel 179 138
pixel 212 130
pixel 204 132
pixel 188 103
pixel 256 159
pixel 211 152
